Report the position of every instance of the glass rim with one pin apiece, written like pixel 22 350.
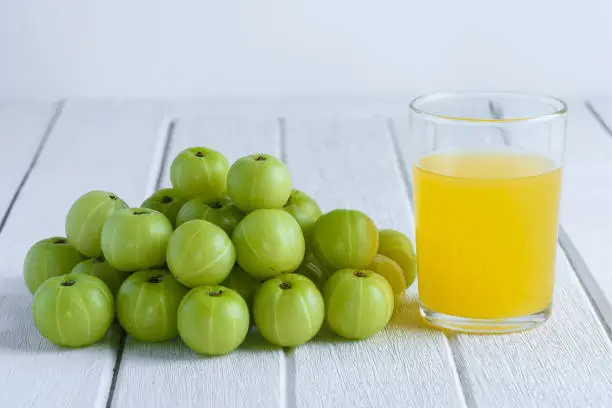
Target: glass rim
pixel 560 107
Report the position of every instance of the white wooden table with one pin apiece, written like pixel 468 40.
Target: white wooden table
pixel 345 154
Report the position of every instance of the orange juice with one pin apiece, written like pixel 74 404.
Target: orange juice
pixel 486 232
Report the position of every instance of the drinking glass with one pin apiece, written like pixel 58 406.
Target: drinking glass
pixel 486 172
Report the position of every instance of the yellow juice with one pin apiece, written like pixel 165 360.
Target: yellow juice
pixel 486 232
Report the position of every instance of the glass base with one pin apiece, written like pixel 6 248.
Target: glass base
pixel 484 326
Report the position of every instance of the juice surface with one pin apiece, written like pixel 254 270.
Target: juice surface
pixel 486 232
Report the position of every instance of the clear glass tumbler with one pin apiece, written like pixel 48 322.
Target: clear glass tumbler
pixel 487 179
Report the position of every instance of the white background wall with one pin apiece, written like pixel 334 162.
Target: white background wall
pixel 269 48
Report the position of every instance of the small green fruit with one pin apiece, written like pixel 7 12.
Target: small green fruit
pixel 345 239
pixel 358 303
pixel 259 181
pixel 136 238
pixel 268 243
pixel 73 310
pixel 86 218
pixel 199 172
pixel 221 212
pixel 200 253
pixel 166 201
pixel 213 320
pixel 243 283
pixel 313 270
pixel 397 246
pixel 288 310
pixel 391 271
pixel 147 304
pixel 48 258
pixel 102 270
pixel 304 209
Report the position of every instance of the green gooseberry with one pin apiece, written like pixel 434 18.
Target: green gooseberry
pixel 268 243
pixel 288 310
pixel 243 283
pixel 213 320
pixel 147 304
pixel 304 209
pixel 221 212
pixel 167 201
pixel 358 303
pixel 102 270
pixel 391 271
pixel 397 246
pixel 199 172
pixel 135 238
pixel 259 181
pixel 86 218
pixel 200 253
pixel 345 239
pixel 48 258
pixel 73 310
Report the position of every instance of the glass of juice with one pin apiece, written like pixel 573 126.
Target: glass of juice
pixel 486 172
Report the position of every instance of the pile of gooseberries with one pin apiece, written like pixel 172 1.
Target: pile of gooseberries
pixel 225 251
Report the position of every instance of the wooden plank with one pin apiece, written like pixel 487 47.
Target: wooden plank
pixel 565 363
pixel 587 199
pixel 351 164
pixel 23 127
pixel 94 145
pixel 169 374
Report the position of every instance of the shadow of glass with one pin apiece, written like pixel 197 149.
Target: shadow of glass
pixel 406 316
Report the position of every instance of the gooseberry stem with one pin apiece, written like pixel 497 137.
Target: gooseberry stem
pixel 155 279
pixel 68 283
pixel 360 274
pixel 285 285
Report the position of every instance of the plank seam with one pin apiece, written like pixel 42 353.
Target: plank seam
pixel 457 362
pixel 455 357
pixel 288 396
pixel 597 298
pixel 59 108
pixel 168 137
pixel 165 140
pixel 282 134
pixel 599 118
